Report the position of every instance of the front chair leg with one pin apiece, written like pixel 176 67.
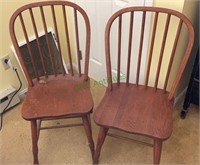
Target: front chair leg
pixel 101 138
pixel 88 131
pixel 89 120
pixel 157 148
pixel 34 141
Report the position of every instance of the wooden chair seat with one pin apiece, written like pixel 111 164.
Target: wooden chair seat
pixel 59 97
pixel 136 109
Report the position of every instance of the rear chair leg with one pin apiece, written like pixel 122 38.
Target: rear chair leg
pixel 34 142
pixel 157 148
pixel 101 138
pixel 88 132
pixel 38 122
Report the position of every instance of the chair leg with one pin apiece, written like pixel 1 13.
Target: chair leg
pixel 34 141
pixel 157 148
pixel 101 138
pixel 88 131
pixel 38 122
pixel 89 119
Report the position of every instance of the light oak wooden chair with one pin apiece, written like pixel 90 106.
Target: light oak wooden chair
pixel 139 107
pixel 52 92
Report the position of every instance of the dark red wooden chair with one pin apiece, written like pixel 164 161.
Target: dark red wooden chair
pixel 138 107
pixel 52 92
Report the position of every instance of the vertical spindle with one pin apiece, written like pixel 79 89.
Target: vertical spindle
pixel 68 41
pixel 129 47
pixel 162 50
pixel 151 48
pixel 119 49
pixel 172 54
pixel 48 42
pixel 38 42
pixel 77 41
pixel 140 48
pixel 57 39
pixel 29 47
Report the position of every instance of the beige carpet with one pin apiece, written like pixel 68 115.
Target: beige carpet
pixel 69 146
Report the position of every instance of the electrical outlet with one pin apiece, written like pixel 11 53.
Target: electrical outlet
pixel 5 66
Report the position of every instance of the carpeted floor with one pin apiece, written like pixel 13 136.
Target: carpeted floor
pixel 69 146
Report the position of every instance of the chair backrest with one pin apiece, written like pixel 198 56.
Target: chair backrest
pixel 61 16
pixel 132 55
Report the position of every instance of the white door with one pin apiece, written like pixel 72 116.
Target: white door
pixel 99 11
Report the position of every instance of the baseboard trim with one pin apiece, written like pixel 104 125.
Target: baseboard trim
pixel 180 96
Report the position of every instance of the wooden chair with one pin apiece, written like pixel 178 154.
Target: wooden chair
pixel 52 92
pixel 139 107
